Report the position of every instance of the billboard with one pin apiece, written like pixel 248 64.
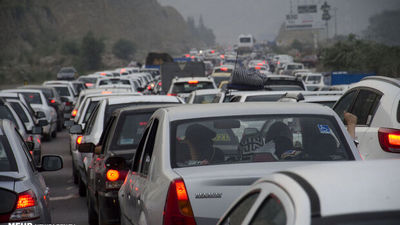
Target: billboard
pixel 307 16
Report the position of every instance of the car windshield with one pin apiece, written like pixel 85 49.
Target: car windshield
pixel 88 79
pixel 7 160
pixel 245 40
pixel 294 67
pixel 263 98
pixel 249 139
pixel 67 70
pixel 187 87
pixel 202 99
pixel 130 129
pixel 62 91
pixel 32 98
pixel 113 81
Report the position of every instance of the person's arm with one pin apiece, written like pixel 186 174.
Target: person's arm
pixel 351 121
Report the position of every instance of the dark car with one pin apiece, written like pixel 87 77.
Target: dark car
pixel 111 160
pixel 67 73
pixel 23 192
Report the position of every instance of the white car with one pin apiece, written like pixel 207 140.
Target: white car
pixel 37 100
pixel 65 90
pixel 329 193
pixel 194 160
pixel 375 102
pixel 314 81
pixel 69 83
pixel 257 96
pixel 202 96
pixel 184 85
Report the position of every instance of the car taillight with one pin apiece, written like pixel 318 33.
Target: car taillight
pixel 149 87
pixel 193 81
pixel 79 140
pixel 177 209
pixel 115 178
pixel 171 94
pixel 389 139
pixel 74 112
pixel 52 101
pixel 26 208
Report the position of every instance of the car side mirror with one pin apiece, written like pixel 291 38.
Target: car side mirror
pixel 51 163
pixel 68 123
pixel 86 147
pixel 37 130
pixel 43 123
pixel 116 162
pixel 98 149
pixel 40 114
pixel 76 129
pixel 30 145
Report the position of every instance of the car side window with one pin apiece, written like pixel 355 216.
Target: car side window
pixel 239 212
pixel 235 99
pixel 365 106
pixel 139 151
pixel 345 103
pixel 105 138
pixel 148 149
pixel 92 120
pixel 271 211
pixel 26 151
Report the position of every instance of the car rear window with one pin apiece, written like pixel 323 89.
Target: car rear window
pixel 32 98
pixel 88 80
pixel 187 87
pixel 20 111
pixel 7 159
pixel 62 91
pixel 113 81
pixel 202 99
pixel 130 129
pixel 247 139
pixel 263 98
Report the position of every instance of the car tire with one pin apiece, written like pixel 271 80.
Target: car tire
pixel 81 188
pixel 54 134
pixel 92 215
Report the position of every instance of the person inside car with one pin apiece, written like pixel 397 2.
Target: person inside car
pixel 200 146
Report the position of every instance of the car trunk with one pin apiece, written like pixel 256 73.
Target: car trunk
pixel 7 195
pixel 212 189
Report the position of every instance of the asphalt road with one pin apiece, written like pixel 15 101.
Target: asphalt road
pixel 66 205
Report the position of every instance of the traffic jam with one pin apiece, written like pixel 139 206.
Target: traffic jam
pixel 229 139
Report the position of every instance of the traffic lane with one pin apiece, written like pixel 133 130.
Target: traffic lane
pixel 66 205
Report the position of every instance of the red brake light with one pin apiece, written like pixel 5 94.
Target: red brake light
pixel 31 152
pixel 222 56
pixel 389 139
pixel 258 68
pixel 106 92
pixel 89 84
pixel 224 69
pixel 187 55
pixel 260 64
pixel 149 87
pixel 74 112
pixel 193 81
pixel 112 175
pixel 192 57
pixel 79 140
pixel 68 103
pixel 171 94
pixel 159 83
pixel 212 51
pixel 52 101
pixel 177 208
pixel 38 140
pixel 26 199
pixel 142 123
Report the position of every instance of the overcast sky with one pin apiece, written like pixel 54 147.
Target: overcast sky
pixel 263 18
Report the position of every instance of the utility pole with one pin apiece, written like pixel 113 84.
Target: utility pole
pixel 326 16
pixel 335 10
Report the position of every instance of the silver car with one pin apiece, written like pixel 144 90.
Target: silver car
pixel 193 161
pixel 23 192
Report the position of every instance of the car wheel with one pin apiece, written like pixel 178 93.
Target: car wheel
pixel 92 215
pixel 75 174
pixel 81 188
pixel 54 134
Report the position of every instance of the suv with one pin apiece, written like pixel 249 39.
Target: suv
pixel 375 101
pixel 183 86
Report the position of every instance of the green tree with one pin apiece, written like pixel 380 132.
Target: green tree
pixel 124 49
pixel 70 48
pixel 92 49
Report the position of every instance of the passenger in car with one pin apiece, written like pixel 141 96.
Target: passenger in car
pixel 351 121
pixel 200 145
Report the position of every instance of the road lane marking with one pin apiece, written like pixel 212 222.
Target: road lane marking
pixel 70 196
pixel 70 188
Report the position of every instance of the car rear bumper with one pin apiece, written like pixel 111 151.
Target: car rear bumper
pixel 109 207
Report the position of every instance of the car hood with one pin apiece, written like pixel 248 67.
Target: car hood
pixel 212 189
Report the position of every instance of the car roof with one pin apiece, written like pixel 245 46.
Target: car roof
pixel 185 79
pixel 320 98
pixel 353 187
pixel 389 80
pixel 142 108
pixel 24 90
pixel 237 109
pixel 144 98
